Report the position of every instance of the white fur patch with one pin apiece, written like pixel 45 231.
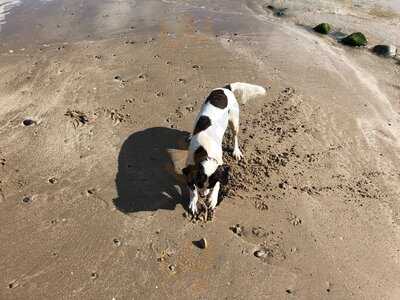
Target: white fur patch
pixel 210 165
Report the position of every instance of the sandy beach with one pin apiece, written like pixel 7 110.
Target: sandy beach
pixel 97 99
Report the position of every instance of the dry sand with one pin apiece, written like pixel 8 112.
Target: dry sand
pixel 92 205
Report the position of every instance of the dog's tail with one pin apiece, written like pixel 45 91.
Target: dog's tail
pixel 245 91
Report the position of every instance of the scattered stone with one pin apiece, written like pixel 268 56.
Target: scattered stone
pixel 117 77
pixel 385 50
pixel 202 243
pixel 289 291
pixel 91 191
pixel 13 284
pixel 27 199
pixel 28 122
pixel 237 229
pixel 53 180
pixel 116 242
pixel 356 39
pixel 97 57
pixel 280 12
pixel 261 254
pixel 323 28
pixel 165 254
pixel 172 268
pixel 94 275
pixel 196 67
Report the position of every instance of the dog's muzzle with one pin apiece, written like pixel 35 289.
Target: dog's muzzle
pixel 204 193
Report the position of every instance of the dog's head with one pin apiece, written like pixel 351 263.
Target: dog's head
pixel 205 175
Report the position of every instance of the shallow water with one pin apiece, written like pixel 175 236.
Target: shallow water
pixel 31 20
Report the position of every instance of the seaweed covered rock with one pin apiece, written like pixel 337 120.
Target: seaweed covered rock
pixel 323 28
pixel 356 39
pixel 385 50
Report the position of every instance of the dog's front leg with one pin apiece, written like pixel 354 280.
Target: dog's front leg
pixel 214 195
pixel 193 199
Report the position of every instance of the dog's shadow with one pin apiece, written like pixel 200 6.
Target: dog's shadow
pixel 146 178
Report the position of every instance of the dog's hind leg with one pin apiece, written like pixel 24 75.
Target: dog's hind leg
pixel 234 124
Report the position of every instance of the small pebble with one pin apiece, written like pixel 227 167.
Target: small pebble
pixel 172 268
pixel 94 275
pixel 53 180
pixel 385 50
pixel 117 242
pixel 260 253
pixel 28 122
pixel 13 284
pixel 27 199
pixel 202 243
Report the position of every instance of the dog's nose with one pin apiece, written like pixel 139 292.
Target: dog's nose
pixel 204 193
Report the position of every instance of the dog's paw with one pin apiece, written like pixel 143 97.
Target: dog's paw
pixel 213 202
pixel 193 208
pixel 237 154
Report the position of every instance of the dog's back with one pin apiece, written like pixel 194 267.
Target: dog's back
pixel 212 122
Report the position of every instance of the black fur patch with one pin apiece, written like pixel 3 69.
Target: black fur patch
pixel 221 175
pixel 201 177
pixel 228 87
pixel 202 124
pixel 200 154
pixel 218 99
pixel 189 173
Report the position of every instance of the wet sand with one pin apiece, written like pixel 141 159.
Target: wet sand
pixel 92 204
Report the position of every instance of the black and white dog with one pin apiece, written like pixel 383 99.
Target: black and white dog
pixel 204 166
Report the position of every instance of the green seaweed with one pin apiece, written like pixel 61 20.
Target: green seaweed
pixel 355 39
pixel 323 28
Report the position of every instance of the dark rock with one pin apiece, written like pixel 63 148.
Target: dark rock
pixel 172 268
pixel 117 242
pixel 28 122
pixel 280 12
pixel 385 50
pixel 202 243
pixel 356 39
pixel 53 180
pixel 27 199
pixel 323 28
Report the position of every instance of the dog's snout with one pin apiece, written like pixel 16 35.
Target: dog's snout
pixel 204 193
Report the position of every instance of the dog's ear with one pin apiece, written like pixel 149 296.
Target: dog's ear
pixel 221 175
pixel 188 171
